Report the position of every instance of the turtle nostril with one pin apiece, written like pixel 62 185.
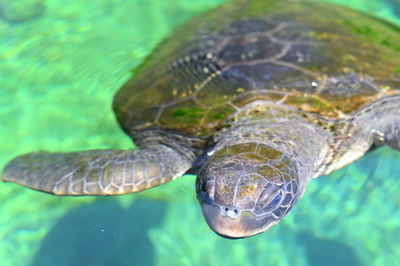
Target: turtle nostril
pixel 231 212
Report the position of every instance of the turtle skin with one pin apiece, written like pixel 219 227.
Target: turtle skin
pixel 255 97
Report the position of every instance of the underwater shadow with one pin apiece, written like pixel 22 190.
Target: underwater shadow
pixel 395 6
pixel 327 251
pixel 21 11
pixel 103 234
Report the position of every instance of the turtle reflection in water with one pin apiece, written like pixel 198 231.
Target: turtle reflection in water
pixel 255 97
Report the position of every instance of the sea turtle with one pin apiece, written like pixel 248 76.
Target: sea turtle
pixel 255 97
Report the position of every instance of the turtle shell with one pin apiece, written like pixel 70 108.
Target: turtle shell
pixel 316 57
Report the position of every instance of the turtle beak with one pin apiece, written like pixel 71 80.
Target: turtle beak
pixel 231 222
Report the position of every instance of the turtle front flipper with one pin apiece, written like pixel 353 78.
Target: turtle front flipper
pixel 390 134
pixel 97 172
pixel 387 130
pixel 381 120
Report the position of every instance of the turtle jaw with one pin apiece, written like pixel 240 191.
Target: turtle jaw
pixel 233 223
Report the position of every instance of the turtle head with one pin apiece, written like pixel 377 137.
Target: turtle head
pixel 245 189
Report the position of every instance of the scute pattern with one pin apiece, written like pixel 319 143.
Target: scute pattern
pixel 97 172
pixel 251 178
pixel 291 54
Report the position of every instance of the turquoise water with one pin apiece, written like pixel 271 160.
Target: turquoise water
pixel 60 64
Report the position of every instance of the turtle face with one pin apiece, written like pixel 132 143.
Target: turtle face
pixel 244 194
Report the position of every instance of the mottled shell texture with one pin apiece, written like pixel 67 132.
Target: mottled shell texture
pixel 332 62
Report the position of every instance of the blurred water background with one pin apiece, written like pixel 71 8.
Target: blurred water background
pixel 61 61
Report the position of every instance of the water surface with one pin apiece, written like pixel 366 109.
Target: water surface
pixel 59 68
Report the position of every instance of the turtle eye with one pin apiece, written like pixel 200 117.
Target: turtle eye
pixel 275 202
pixel 201 186
pixel 205 187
